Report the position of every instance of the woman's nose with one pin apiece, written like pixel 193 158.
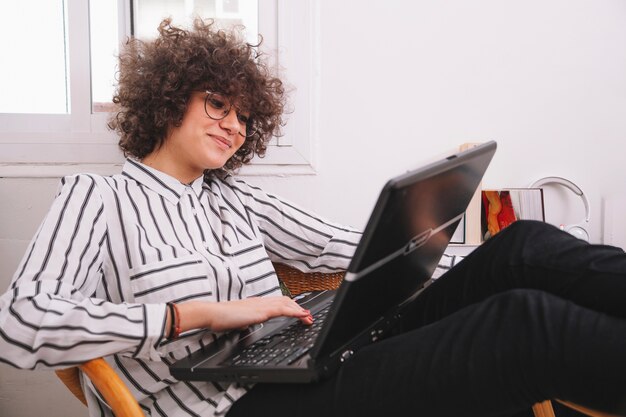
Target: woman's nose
pixel 230 123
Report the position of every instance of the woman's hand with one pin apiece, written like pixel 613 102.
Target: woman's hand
pixel 238 314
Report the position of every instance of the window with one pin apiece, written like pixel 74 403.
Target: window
pixel 146 16
pixel 25 87
pixel 106 31
pixel 54 113
pixel 148 13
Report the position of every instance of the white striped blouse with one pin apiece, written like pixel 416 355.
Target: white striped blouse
pixel 113 250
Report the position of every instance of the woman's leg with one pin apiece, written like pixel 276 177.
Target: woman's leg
pixel 495 357
pixel 529 254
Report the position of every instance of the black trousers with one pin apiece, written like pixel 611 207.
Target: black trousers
pixel 532 314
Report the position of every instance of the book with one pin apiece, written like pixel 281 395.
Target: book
pixel 500 208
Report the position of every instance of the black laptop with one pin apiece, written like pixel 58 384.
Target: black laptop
pixel 405 237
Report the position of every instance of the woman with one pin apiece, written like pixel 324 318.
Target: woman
pixel 174 226
pixel 150 265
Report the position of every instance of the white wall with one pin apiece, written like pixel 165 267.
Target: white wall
pixel 23 203
pixel 402 82
pixel 547 80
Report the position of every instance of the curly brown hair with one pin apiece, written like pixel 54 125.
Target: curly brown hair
pixel 157 77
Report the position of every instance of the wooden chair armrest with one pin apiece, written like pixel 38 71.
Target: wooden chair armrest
pixel 71 378
pixel 585 410
pixel 543 409
pixel 107 382
pixel 112 388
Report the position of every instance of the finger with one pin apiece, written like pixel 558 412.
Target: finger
pixel 308 320
pixel 298 312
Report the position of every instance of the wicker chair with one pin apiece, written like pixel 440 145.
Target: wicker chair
pixel 294 282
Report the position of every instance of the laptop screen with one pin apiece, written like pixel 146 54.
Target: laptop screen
pixel 408 232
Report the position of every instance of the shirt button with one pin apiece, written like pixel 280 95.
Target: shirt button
pixel 194 212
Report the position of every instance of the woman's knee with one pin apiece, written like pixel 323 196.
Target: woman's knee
pixel 529 227
pixel 523 230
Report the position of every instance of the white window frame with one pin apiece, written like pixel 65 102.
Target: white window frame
pixel 53 145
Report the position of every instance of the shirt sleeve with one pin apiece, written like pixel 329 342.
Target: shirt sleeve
pixel 294 236
pixel 48 316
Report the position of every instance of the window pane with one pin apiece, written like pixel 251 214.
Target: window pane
pixel 149 13
pixel 104 36
pixel 105 39
pixel 34 70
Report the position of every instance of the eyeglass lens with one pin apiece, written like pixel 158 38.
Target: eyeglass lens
pixel 218 107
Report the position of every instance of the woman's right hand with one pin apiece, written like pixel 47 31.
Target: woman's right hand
pixel 238 314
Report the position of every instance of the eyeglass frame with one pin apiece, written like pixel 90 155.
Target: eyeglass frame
pixel 250 130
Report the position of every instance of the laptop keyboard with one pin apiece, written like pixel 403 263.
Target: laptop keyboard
pixel 282 348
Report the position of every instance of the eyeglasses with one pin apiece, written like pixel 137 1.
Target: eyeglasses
pixel 217 107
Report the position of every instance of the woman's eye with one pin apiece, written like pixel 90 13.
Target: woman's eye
pixel 243 119
pixel 217 103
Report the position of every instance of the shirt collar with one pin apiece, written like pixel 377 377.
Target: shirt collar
pixel 160 182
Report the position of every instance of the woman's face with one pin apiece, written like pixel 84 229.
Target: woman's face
pixel 199 143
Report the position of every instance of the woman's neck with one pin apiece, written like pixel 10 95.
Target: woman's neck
pixel 160 161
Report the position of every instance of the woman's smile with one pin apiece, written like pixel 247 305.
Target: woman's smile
pixel 221 141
